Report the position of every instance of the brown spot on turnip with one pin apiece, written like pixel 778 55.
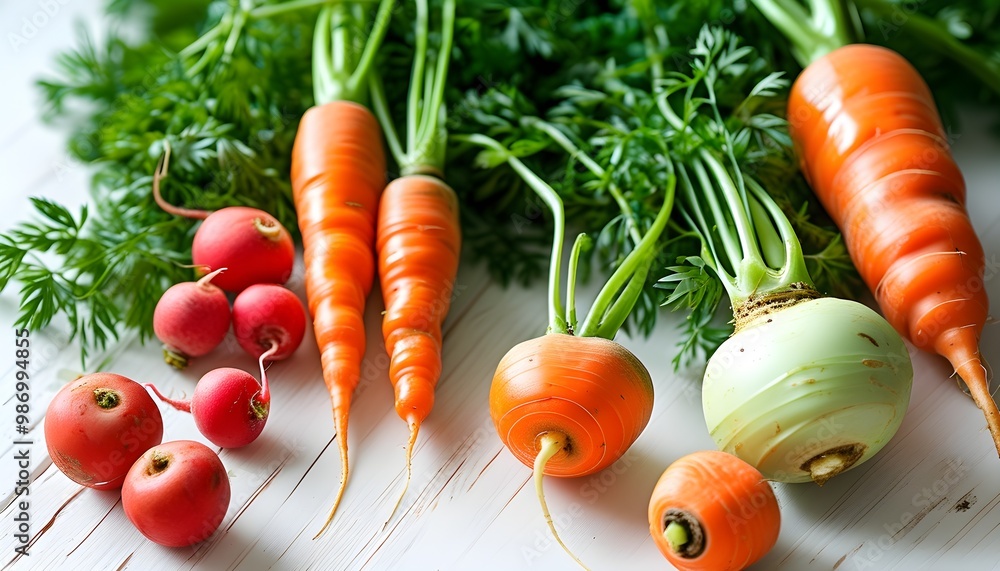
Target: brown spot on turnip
pixel 873 363
pixel 869 338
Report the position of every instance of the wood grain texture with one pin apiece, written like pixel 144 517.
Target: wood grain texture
pixel 929 500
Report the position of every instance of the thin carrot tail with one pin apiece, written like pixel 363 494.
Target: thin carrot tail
pixel 414 430
pixel 341 400
pixel 961 347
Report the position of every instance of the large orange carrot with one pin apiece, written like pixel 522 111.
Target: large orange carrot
pixel 874 150
pixel 418 236
pixel 711 511
pixel 338 173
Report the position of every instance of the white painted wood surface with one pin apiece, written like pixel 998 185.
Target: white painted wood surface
pixel 927 501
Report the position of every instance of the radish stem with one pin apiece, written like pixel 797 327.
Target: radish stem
pixel 551 444
pixel 161 173
pixel 181 405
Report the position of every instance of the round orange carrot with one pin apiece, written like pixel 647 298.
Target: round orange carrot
pixel 571 402
pixel 418 244
pixel 338 173
pixel 711 511
pixel 874 150
pixel 595 393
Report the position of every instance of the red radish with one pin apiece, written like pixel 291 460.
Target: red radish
pixel 191 319
pixel 266 314
pixel 228 405
pixel 96 427
pixel 250 242
pixel 177 493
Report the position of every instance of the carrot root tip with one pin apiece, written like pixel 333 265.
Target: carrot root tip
pixel 550 443
pixel 414 430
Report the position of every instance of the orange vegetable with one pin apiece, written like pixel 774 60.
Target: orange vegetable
pixel 338 172
pixel 418 243
pixel 711 511
pixel 591 391
pixel 874 150
pixel 418 238
pixel 571 402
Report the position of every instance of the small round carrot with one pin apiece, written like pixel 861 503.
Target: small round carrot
pixel 571 403
pixel 873 147
pixel 591 392
pixel 711 511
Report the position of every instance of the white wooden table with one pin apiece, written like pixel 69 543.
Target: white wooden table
pixel 927 501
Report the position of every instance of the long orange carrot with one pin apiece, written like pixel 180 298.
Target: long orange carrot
pixel 418 247
pixel 874 150
pixel 338 173
pixel 418 237
pixel 711 511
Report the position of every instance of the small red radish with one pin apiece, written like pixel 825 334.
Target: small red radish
pixel 96 427
pixel 191 319
pixel 177 493
pixel 228 405
pixel 250 242
pixel 266 315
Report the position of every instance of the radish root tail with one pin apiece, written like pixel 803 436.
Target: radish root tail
pixel 265 389
pixel 552 443
pixel 181 405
